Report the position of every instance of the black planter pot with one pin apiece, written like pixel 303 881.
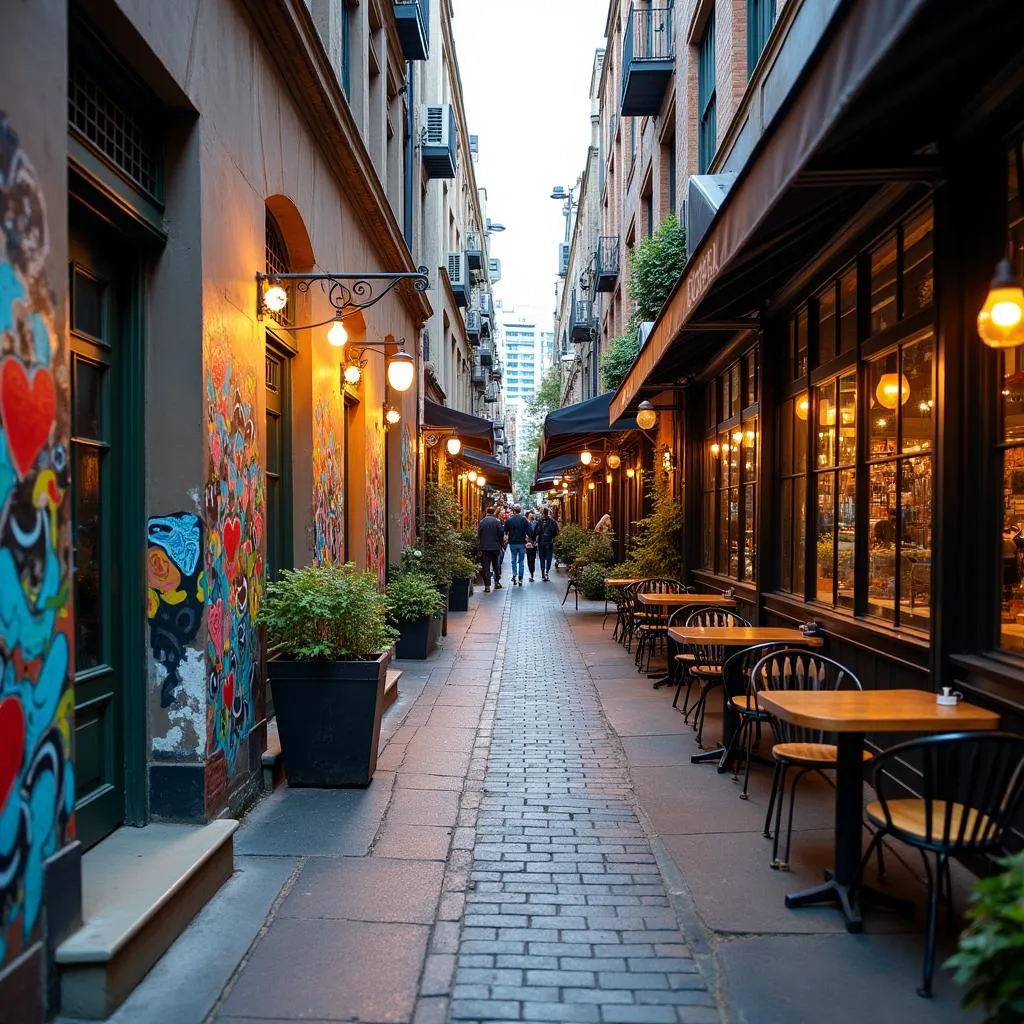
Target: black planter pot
pixel 328 717
pixel 417 637
pixel 458 596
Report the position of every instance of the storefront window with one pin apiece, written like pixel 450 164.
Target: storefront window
pixel 883 285
pixel 827 325
pixel 730 475
pixel 793 491
pixel 848 312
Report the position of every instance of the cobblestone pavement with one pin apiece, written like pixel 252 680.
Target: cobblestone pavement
pixel 567 918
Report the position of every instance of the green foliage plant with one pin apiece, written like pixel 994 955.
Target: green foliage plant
pixel 326 613
pixel 569 542
pixel 463 566
pixel 439 537
pixel 589 581
pixel 655 266
pixel 990 956
pixel 658 546
pixel 413 595
pixel 470 544
pixel 597 550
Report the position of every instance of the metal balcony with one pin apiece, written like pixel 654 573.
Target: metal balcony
pixel 496 373
pixel 474 250
pixel 606 263
pixel 478 378
pixel 581 320
pixel 413 21
pixel 486 356
pixel 647 61
pixel 473 325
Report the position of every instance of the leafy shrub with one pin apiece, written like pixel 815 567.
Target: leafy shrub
pixel 462 565
pixel 326 613
pixel 990 956
pixel 589 581
pixel 413 595
pixel 658 547
pixel 596 549
pixel 470 543
pixel 569 543
pixel 439 538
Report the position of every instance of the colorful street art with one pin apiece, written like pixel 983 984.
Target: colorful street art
pixel 37 788
pixel 376 553
pixel 328 489
pixel 234 532
pixel 176 592
pixel 408 486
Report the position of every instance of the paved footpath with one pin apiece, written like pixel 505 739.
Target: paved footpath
pixel 495 870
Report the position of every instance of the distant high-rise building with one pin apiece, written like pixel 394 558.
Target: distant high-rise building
pixel 528 337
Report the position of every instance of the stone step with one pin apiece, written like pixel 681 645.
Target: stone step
pixel 140 889
pixel 273 761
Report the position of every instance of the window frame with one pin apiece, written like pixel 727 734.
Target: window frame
pixel 707 123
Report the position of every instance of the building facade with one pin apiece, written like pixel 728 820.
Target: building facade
pixel 169 442
pixel 527 341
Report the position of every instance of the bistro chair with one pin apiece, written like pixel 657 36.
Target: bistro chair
pixel 796 746
pixel 626 617
pixel 652 629
pixel 971 790
pixel 742 702
pixel 705 669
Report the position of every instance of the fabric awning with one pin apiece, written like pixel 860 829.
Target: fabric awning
pixel 551 468
pixel 886 80
pixel 569 428
pixel 467 427
pixel 498 475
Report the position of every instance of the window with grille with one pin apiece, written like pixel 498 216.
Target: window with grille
pixel 111 129
pixel 707 137
pixel 277 263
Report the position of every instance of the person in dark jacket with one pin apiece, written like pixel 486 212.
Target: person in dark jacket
pixel 531 543
pixel 490 535
pixel 517 529
pixel 544 537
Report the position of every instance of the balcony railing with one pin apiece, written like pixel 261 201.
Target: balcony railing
pixel 647 60
pixel 413 20
pixel 606 263
pixel 581 320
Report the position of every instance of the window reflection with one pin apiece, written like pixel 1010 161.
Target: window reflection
pixel 883 285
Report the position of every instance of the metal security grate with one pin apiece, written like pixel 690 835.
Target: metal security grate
pixel 273 374
pixel 108 126
pixel 277 263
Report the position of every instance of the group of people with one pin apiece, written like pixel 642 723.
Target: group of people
pixel 526 536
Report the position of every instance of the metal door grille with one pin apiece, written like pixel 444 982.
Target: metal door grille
pixel 277 263
pixel 108 126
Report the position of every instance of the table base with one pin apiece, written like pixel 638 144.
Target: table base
pixel 848 898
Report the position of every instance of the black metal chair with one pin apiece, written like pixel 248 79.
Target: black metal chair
pixel 705 669
pixel 627 614
pixel 741 701
pixel 796 746
pixel 652 629
pixel 972 789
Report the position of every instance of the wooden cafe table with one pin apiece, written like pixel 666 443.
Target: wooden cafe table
pixel 850 714
pixel 686 600
pixel 737 637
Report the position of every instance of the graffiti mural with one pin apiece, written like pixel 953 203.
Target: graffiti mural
pixel 376 553
pixel 37 790
pixel 328 489
pixel 234 532
pixel 408 486
pixel 176 592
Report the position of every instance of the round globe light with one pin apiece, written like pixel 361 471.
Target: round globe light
pixel 337 335
pixel 454 445
pixel 401 371
pixel 646 416
pixel 275 298
pixel 352 374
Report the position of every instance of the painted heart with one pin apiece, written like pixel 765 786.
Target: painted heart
pixel 215 624
pixel 28 406
pixel 12 745
pixel 232 537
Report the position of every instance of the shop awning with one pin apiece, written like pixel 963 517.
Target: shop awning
pixel 548 470
pixel 498 475
pixel 468 428
pixel 886 79
pixel 572 427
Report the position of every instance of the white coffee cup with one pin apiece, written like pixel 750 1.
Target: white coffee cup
pixel 949 697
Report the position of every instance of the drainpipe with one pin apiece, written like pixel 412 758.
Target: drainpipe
pixel 410 127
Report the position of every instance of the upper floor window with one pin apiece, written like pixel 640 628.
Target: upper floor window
pixel 760 19
pixel 278 263
pixel 707 138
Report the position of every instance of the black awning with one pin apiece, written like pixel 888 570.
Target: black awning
pixel 887 81
pixel 466 427
pixel 498 475
pixel 551 468
pixel 569 428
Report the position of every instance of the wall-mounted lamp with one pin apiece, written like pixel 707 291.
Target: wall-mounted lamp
pixel 630 473
pixel 557 480
pixel 590 486
pixel 481 481
pixel 401 368
pixel 803 405
pixel 275 298
pixel 586 457
pixel 607 478
pixel 716 448
pixel 454 445
pixel 646 416
pixel 614 461
pixel 337 335
pixel 472 476
pixel 391 415
pixel 352 374
pixel 1001 318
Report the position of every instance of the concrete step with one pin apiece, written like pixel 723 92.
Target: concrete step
pixel 140 889
pixel 273 761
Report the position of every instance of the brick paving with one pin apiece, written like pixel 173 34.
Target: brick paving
pixel 567 916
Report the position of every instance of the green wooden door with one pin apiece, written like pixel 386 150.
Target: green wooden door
pixel 98 298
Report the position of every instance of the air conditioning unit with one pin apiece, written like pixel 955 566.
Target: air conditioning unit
pixel 486 330
pixel 478 376
pixel 458 277
pixel 486 356
pixel 474 250
pixel 440 159
pixel 473 324
pixel 486 303
pixel 563 259
pixel 474 146
pixel 494 269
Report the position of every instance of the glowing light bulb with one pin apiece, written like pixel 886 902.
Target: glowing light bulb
pixel 586 457
pixel 614 461
pixel 802 406
pixel 454 445
pixel 893 389
pixel 737 436
pixel 352 374
pixel 472 476
pixel 337 335
pixel 646 416
pixel 631 472
pixel 590 486
pixel 715 449
pixel 393 416
pixel 275 298
pixel 401 371
pixel 481 481
pixel 1001 319
pixel 607 478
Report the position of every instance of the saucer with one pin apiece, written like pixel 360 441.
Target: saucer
pixel 947 702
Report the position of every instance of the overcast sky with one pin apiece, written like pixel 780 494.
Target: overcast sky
pixel 525 67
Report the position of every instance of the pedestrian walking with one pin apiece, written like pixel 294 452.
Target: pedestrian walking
pixel 531 544
pixel 490 535
pixel 517 528
pixel 544 537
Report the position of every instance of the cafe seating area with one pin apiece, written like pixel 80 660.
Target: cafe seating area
pixel 812 761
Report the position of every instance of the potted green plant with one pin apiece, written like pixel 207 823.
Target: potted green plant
pixel 990 956
pixel 330 641
pixel 463 574
pixel 415 605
